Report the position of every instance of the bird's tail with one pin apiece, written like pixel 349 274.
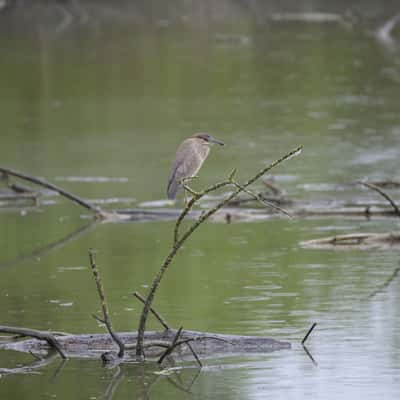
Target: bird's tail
pixel 172 189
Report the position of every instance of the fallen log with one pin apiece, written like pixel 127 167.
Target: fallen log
pixel 204 344
pixel 363 241
pixel 239 214
pixel 310 17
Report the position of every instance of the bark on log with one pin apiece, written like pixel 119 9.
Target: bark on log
pixel 204 344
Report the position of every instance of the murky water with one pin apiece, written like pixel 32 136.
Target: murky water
pixel 102 115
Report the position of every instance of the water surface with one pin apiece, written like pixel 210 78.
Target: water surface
pixel 102 114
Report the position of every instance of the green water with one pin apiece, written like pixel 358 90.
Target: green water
pixel 115 105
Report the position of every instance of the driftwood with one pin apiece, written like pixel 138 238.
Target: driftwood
pixel 48 337
pixel 312 17
pixel 205 344
pixel 43 183
pixel 384 33
pixel 233 210
pixel 362 241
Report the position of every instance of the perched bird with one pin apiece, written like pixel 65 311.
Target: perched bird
pixel 190 156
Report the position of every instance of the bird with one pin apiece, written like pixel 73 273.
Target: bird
pixel 190 156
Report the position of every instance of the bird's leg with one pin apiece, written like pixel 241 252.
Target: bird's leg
pixel 185 197
pixel 186 188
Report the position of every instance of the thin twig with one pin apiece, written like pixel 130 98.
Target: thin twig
pixel 194 354
pixel 383 194
pixel 160 319
pixel 197 196
pixel 171 348
pixel 107 320
pixel 178 244
pixel 308 333
pixel 41 335
pixel 62 192
pixel 261 200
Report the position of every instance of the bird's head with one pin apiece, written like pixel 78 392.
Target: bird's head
pixel 207 139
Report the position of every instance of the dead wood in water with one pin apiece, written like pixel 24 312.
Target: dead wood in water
pixel 384 33
pixel 179 240
pixel 383 194
pixel 41 335
pixel 356 240
pixel 205 344
pixel 313 17
pixel 107 320
pixel 48 185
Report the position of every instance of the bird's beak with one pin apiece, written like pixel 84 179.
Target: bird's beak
pixel 213 140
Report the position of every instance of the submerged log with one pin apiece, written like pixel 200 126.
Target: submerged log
pixel 356 241
pixel 204 344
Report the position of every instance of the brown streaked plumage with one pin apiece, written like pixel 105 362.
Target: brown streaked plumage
pixel 190 156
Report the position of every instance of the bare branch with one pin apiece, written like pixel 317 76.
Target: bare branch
pixel 171 348
pixel 155 313
pixel 194 354
pixel 107 320
pixel 308 333
pixel 383 194
pixel 41 335
pixel 261 200
pixel 62 192
pixel 179 242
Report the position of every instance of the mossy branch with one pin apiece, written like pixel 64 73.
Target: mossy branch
pixel 107 320
pixel 178 242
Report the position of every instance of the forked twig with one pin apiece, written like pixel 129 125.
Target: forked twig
pixel 171 348
pixel 106 315
pixel 261 200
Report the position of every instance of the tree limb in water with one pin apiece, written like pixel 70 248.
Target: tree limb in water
pixel 178 242
pixel 41 335
pixel 106 314
pixel 48 185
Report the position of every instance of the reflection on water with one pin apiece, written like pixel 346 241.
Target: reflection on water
pixel 102 113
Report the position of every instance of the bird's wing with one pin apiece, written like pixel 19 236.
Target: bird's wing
pixel 187 163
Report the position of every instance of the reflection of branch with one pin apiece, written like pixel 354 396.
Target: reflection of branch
pixel 385 284
pixel 30 368
pixel 41 335
pixel 309 355
pixel 303 343
pixel 116 379
pixel 43 251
